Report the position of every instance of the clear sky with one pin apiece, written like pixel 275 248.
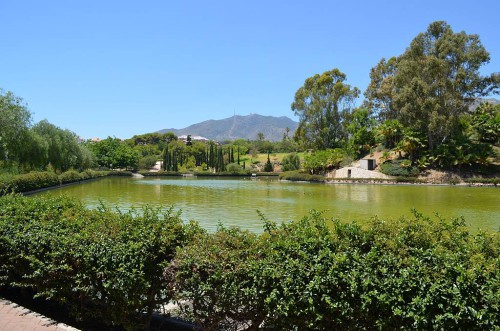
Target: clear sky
pixel 119 68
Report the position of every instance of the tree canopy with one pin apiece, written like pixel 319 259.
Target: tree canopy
pixel 432 83
pixel 322 104
pixel 15 119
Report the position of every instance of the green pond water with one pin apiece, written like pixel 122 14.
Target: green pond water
pixel 235 201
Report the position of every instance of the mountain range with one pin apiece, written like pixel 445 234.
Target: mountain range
pixel 240 127
pixel 478 102
pixel 248 127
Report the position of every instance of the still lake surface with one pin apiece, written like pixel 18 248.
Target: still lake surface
pixel 235 201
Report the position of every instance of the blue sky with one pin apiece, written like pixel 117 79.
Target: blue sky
pixel 119 68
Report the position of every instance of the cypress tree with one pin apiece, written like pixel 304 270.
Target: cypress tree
pixel 268 167
pixel 222 165
pixel 211 162
pixel 165 157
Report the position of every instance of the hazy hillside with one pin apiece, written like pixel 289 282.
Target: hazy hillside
pixel 491 100
pixel 235 127
pixel 247 127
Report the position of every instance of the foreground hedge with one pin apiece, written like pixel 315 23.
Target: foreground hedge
pixel 314 273
pixel 101 264
pixel 322 274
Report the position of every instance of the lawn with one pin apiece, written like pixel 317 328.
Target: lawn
pixel 262 157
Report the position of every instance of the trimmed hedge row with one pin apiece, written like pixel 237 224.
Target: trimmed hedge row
pixel 301 176
pixel 208 174
pixel 314 273
pixel 37 180
pixel 33 181
pixel 100 264
pixel 322 274
pixel 486 181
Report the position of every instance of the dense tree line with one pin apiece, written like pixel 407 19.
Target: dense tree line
pixel 25 147
pixel 417 103
pixel 208 156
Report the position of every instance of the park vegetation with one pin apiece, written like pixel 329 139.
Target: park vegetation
pixel 25 147
pixel 420 109
pixel 312 273
pixel 418 104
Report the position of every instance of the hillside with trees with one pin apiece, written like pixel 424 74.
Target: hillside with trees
pixel 419 104
pixel 240 127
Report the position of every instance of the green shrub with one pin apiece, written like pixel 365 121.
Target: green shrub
pixel 98 263
pixel 314 273
pixel 217 278
pixel 147 162
pixel 160 173
pixel 234 168
pixel 290 162
pixel 494 181
pixel 90 174
pixel 321 274
pixel 70 176
pixel 398 168
pixel 34 181
pixel 409 180
pixel 5 183
pixel 301 176
pixel 37 180
pixel 119 173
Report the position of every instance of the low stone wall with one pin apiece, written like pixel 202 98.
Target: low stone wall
pixel 356 173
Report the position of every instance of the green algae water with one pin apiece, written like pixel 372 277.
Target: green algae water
pixel 235 201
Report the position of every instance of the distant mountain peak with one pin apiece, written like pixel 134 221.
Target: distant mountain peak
pixel 240 127
pixel 476 103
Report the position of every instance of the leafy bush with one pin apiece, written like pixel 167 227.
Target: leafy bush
pixel 314 273
pixel 147 162
pixel 398 168
pixel 461 154
pixel 217 278
pixel 120 173
pixel 90 174
pixel 160 173
pixel 411 273
pixel 34 181
pixel 323 160
pixel 234 168
pixel 290 162
pixel 301 176
pixel 409 180
pixel 38 180
pixel 494 181
pixel 98 263
pixel 5 182
pixel 70 176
